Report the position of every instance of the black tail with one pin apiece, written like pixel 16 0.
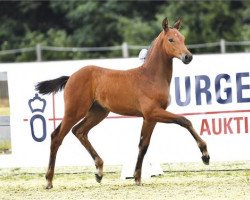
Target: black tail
pixel 55 85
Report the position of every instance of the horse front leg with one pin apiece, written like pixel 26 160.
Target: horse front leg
pixel 146 132
pixel 161 115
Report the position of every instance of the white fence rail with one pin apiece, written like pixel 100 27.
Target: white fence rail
pixel 125 47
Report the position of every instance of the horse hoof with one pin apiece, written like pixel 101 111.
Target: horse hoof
pixel 138 183
pixel 49 186
pixel 205 159
pixel 98 178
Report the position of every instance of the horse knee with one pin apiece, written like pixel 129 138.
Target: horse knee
pixel 143 148
pixel 183 121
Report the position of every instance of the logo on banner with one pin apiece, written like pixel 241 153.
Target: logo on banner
pixel 37 106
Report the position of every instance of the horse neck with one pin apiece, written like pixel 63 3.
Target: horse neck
pixel 158 63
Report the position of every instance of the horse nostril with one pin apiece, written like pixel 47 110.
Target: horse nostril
pixel 191 57
pixel 188 58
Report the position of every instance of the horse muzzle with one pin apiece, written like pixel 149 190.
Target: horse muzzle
pixel 187 58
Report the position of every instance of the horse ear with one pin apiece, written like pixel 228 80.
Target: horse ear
pixel 177 24
pixel 165 24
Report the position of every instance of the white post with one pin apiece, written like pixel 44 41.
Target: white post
pixel 125 53
pixel 222 46
pixel 38 53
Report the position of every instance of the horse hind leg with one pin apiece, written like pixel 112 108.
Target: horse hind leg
pixel 53 151
pixel 95 115
pixel 69 120
pixel 56 140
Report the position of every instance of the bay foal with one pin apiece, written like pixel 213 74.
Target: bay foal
pixel 92 92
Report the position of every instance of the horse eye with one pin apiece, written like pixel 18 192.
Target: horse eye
pixel 171 40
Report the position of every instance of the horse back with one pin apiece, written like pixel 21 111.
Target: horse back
pixel 114 90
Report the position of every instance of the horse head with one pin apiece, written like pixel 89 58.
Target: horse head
pixel 174 42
